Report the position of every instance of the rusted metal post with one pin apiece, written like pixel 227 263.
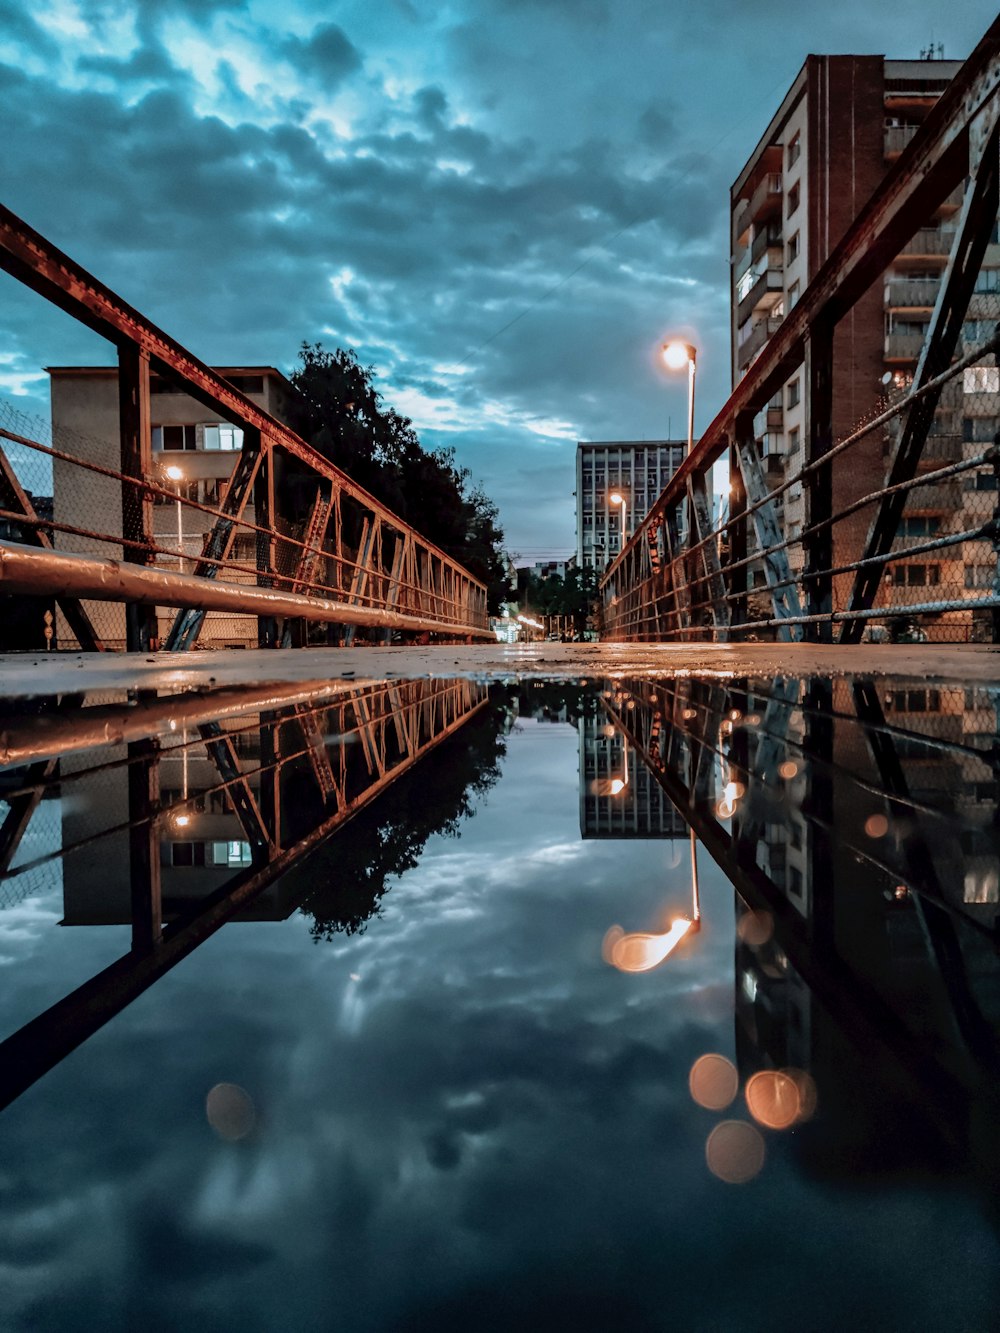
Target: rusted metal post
pixel 137 465
pixel 144 838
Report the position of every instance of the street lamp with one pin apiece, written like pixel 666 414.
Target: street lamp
pixel 616 498
pixel 675 356
pixel 177 476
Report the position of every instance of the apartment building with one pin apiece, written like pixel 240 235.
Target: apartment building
pixel 634 470
pixel 839 128
pixel 84 401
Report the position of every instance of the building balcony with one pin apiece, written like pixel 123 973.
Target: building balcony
pixel 903 348
pixel 768 422
pixel 767 238
pixel 928 243
pixel 896 139
pixel 774 468
pixel 763 204
pixel 940 449
pixel 755 340
pixel 765 291
pixel 953 202
pixel 911 294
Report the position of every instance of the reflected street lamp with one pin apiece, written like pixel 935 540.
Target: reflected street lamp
pixel 177 476
pixel 616 498
pixel 639 951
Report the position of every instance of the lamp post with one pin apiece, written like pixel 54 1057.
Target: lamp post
pixel 675 356
pixel 177 476
pixel 616 498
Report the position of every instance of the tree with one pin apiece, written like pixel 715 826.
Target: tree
pixel 341 413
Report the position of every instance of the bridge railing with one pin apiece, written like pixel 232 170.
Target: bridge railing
pixel 142 547
pixel 878 518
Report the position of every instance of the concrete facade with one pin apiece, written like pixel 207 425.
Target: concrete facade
pixel 186 435
pixel 638 470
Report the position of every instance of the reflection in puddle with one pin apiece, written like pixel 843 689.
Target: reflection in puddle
pixel 831 1016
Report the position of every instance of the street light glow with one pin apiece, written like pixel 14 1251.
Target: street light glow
pixel 677 355
pixel 616 498
pixel 174 473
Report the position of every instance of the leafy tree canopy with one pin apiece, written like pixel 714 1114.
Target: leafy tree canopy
pixel 344 417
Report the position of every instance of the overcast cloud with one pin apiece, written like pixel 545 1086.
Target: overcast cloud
pixel 502 205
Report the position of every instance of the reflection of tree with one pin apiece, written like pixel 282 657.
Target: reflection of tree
pixel 387 837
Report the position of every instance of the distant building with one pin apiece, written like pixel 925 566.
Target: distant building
pixel 186 435
pixel 619 796
pixel 637 470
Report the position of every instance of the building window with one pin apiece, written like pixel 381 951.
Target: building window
pixel 187 853
pixel 916 576
pixel 979 576
pixel 230 853
pixel 920 525
pixel 794 393
pixel 794 149
pixel 223 437
pixel 986 481
pixel 915 701
pixel 793 247
pixel 794 198
pixel 794 439
pixel 174 437
pixel 981 379
pixel 793 294
pixel 988 280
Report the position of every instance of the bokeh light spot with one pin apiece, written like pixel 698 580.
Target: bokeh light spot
pixel 806 1086
pixel 735 1151
pixel 755 928
pixel 773 1099
pixel 230 1111
pixel 876 826
pixel 788 769
pixel 713 1081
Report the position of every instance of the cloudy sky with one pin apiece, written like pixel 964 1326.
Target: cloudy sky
pixel 503 205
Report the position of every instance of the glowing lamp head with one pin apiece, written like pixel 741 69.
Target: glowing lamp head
pixel 182 821
pixel 676 355
pixel 616 498
pixel 174 473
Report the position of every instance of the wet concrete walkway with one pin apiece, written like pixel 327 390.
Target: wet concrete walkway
pixel 36 673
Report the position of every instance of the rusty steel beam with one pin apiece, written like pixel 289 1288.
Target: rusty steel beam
pixel 36 262
pixel 75 730
pixel 28 570
pixel 43 1042
pixel 933 164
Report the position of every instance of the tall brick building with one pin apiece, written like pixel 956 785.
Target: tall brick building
pixel 840 126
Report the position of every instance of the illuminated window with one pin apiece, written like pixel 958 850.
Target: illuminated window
pixel 223 437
